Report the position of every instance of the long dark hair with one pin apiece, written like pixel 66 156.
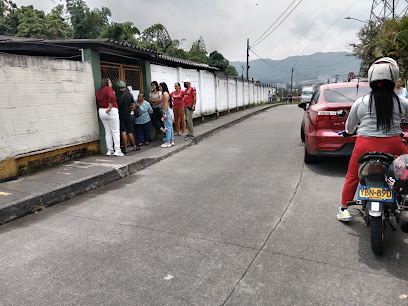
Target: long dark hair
pixel 157 85
pixel 166 89
pixel 383 95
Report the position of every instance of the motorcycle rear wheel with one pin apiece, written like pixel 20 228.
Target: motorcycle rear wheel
pixel 377 225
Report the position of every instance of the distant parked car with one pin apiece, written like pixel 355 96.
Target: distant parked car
pixel 325 115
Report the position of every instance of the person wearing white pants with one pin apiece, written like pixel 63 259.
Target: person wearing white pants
pixel 112 135
pixel 109 115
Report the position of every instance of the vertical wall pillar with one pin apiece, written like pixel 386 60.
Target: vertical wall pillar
pixel 236 92
pixel 216 94
pixel 201 92
pixel 243 92
pixel 147 77
pixel 92 56
pixel 180 76
pixel 228 96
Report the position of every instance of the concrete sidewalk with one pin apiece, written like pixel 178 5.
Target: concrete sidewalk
pixel 34 192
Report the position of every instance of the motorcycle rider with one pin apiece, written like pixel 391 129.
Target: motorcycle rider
pixel 378 116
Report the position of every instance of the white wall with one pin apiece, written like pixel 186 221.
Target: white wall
pixel 45 104
pixel 214 93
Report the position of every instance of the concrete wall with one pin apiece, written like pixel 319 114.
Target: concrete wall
pixel 215 93
pixel 46 104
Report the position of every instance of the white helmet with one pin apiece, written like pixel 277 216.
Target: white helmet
pixel 383 69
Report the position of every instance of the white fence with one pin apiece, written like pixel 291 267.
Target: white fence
pixel 215 93
pixel 48 104
pixel 45 104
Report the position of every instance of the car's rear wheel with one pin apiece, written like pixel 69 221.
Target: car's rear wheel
pixel 309 158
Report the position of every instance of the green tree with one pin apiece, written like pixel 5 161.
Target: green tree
pixel 175 50
pixel 8 17
pixel 57 27
pixel 29 22
pixel 198 51
pixel 124 32
pixel 87 23
pixel 156 35
pixel 216 59
pixel 231 70
pixel 386 38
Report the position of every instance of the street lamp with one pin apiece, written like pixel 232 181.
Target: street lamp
pixel 355 19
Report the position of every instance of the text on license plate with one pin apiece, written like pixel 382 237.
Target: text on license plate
pixel 375 193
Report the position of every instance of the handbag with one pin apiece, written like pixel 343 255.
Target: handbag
pixel 137 111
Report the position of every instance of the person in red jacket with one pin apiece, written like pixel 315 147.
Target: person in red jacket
pixel 190 100
pixel 178 109
pixel 109 115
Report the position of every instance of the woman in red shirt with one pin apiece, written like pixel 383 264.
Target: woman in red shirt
pixel 108 112
pixel 178 109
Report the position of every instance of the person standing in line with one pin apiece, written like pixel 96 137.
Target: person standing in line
pixel 167 115
pixel 132 113
pixel 190 100
pixel 125 104
pixel 109 115
pixel 178 109
pixel 399 90
pixel 154 100
pixel 142 122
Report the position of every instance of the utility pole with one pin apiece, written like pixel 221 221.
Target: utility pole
pixel 291 82
pixel 247 66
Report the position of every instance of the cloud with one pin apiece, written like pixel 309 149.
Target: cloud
pixel 225 25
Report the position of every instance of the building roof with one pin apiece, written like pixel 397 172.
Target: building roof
pixel 71 47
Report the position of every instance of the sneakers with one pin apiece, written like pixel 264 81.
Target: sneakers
pixel 109 153
pixel 166 145
pixel 118 153
pixel 172 143
pixel 132 149
pixel 344 215
pixel 188 137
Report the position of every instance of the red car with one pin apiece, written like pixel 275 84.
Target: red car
pixel 325 115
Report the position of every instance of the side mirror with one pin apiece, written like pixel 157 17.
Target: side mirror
pixel 303 105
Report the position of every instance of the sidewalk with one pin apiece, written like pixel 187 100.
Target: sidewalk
pixel 34 192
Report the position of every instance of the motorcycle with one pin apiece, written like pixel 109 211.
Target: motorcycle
pixel 382 194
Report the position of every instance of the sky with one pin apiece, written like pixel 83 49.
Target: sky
pixel 225 25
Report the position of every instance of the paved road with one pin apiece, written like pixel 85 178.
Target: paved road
pixel 237 219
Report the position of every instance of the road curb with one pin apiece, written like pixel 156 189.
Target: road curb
pixel 30 204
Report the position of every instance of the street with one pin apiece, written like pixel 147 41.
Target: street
pixel 237 219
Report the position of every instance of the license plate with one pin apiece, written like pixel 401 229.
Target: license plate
pixel 383 194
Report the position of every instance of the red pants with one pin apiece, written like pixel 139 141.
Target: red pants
pixel 179 115
pixel 392 145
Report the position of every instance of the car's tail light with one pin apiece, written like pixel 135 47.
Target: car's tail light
pixel 324 115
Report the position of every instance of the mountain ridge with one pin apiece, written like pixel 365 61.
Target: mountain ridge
pixel 321 65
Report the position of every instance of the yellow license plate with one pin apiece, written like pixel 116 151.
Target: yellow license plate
pixel 375 193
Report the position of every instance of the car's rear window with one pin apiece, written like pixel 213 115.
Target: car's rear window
pixel 345 94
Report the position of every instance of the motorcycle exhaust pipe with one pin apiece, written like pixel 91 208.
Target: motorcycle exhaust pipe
pixel 403 223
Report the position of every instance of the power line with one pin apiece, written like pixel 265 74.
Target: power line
pixel 254 45
pixel 334 35
pixel 267 62
pixel 274 22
